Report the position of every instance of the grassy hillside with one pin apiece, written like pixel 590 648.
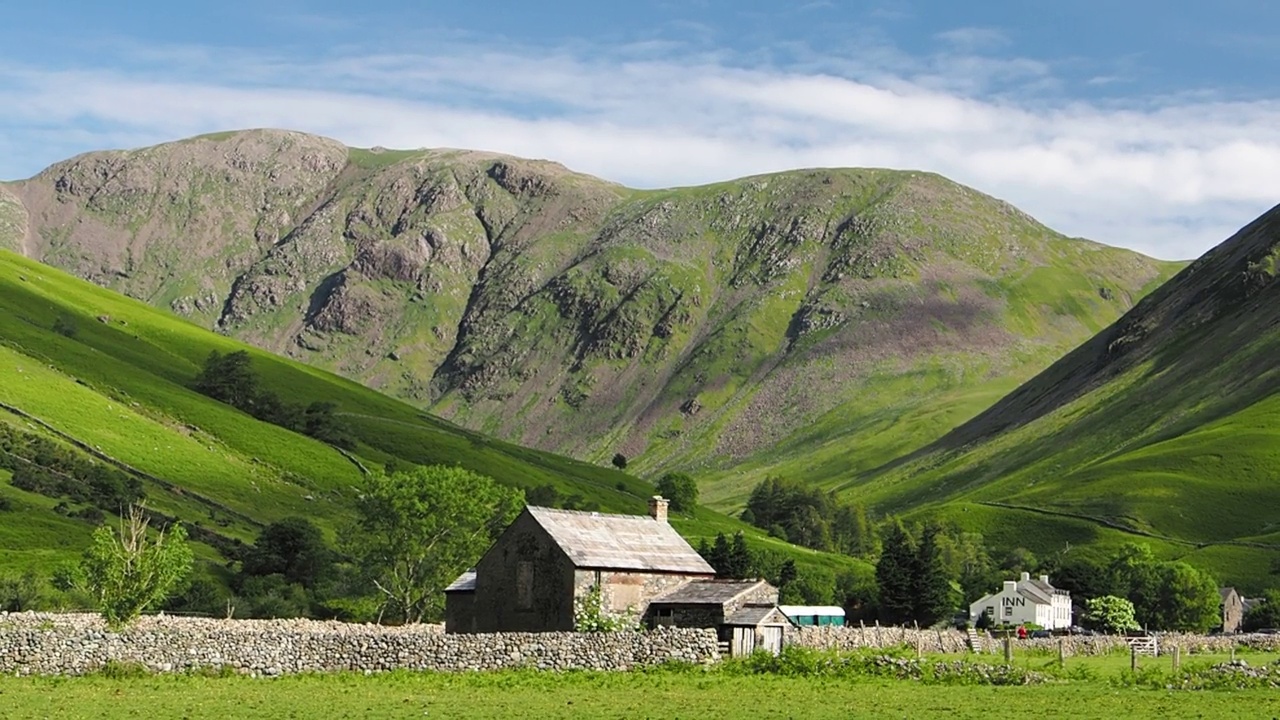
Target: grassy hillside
pixel 113 384
pixel 815 323
pixel 1163 427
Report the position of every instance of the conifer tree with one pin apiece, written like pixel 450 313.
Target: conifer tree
pixel 895 574
pixel 933 593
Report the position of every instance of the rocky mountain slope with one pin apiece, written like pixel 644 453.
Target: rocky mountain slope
pixel 1165 426
pixel 818 321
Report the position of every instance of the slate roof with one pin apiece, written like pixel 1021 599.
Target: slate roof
pixel 753 615
pixel 466 582
pixel 1226 593
pixel 619 542
pixel 708 592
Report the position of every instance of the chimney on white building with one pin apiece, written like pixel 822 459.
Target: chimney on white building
pixel 1010 586
pixel 1026 576
pixel 1044 579
pixel 658 508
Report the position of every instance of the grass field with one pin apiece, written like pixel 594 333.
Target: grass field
pixel 655 694
pixel 120 383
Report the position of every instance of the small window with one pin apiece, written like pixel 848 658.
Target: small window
pixel 524 585
pixel 1008 612
pixel 991 611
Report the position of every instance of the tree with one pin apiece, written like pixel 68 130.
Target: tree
pixel 320 420
pixel 1265 614
pixel 896 575
pixel 738 562
pixel 1186 599
pixel 620 461
pixel 129 570
pixel 229 378
pixel 418 530
pixel 681 489
pixel 1110 614
pixel 293 548
pixel 934 596
pixel 718 558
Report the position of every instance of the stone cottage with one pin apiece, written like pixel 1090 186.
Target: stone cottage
pixel 546 559
pixel 1231 609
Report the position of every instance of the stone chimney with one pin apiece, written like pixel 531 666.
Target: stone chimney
pixel 658 508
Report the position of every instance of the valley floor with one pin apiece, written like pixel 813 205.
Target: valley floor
pixel 655 694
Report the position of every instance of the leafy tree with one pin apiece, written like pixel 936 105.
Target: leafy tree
pixel 857 593
pixel 934 597
pixel 229 378
pixel 1186 599
pixel 681 489
pixel 271 596
pixel 129 570
pixel 543 496
pixel 851 532
pixel 814 586
pixel 787 573
pixel 65 325
pixel 19 592
pixel 896 573
pixel 1110 614
pixel 320 420
pixel 417 530
pixel 1019 560
pixel 1265 614
pixel 620 461
pixel 293 548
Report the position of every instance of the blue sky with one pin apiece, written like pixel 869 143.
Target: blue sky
pixel 1152 125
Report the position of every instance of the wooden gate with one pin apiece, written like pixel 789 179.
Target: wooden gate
pixel 744 641
pixel 772 636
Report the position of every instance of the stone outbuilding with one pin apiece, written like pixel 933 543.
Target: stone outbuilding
pixel 1231 610
pixel 548 559
pixel 744 613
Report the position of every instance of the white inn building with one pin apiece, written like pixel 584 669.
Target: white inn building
pixel 1025 601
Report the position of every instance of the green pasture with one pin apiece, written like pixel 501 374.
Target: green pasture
pixel 660 693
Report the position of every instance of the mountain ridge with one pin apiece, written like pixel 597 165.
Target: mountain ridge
pixel 699 328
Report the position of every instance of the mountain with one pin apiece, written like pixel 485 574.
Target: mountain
pixel 95 394
pixel 817 323
pixel 1164 426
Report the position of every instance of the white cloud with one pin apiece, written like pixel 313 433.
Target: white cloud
pixel 1170 176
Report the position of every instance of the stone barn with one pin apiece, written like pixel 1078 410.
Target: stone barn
pixel 1231 607
pixel 743 612
pixel 546 559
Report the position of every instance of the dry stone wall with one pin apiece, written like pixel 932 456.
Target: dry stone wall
pixel 851 637
pixel 58 644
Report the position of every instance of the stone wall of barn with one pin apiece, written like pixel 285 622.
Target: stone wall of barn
pixel 58 644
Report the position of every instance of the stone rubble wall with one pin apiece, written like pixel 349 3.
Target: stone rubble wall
pixel 66 644
pixel 852 637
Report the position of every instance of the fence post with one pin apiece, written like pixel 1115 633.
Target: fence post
pixel 1133 658
pixel 1177 657
pixel 1008 649
pixel 1062 653
pixel 862 632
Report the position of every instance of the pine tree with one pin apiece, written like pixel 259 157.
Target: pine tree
pixel 933 594
pixel 895 574
pixel 719 558
pixel 738 562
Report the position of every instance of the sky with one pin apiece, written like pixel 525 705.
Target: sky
pixel 1148 125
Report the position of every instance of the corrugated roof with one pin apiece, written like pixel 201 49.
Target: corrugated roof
pixel 620 542
pixel 465 582
pixel 708 592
